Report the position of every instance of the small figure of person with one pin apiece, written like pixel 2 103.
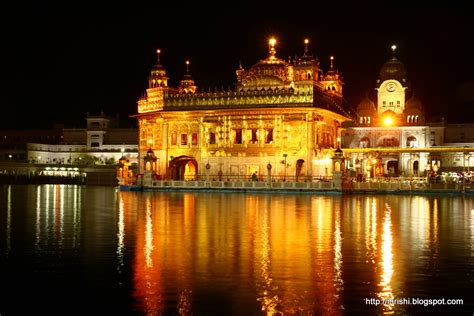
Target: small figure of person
pixel 254 176
pixel 219 174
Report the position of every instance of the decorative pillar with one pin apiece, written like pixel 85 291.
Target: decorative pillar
pixel 269 173
pixel 337 162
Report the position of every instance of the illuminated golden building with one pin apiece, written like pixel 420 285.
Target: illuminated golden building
pixel 284 113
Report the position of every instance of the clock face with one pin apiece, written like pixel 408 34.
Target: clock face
pixel 391 87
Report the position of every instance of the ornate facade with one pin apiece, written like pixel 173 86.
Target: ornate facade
pixel 282 115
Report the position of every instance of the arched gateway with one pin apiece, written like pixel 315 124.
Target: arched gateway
pixel 183 168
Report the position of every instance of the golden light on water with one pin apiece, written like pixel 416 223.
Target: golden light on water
pixel 386 263
pixel 121 230
pixel 284 255
pixel 148 234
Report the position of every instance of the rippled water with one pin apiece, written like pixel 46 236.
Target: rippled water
pixel 68 249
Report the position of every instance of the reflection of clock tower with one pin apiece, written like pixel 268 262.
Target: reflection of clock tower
pixel 391 87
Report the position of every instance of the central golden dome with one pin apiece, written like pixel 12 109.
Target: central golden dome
pixel 271 72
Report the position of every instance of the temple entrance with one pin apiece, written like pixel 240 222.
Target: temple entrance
pixel 183 168
pixel 392 168
pixel 299 168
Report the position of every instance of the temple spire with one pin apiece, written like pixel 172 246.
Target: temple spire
pixel 187 67
pixel 393 48
pixel 271 43
pixel 306 42
pixel 158 52
pixel 332 63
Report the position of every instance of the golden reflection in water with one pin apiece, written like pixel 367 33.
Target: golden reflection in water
pixel 38 217
pixel 371 229
pixel 267 298
pixel 148 284
pixel 387 260
pixel 325 247
pixel 51 217
pixel 421 224
pixel 76 211
pixel 148 234
pixel 338 281
pixel 58 213
pixel 46 211
pixel 434 232
pixel 120 232
pixel 9 221
pixel 290 254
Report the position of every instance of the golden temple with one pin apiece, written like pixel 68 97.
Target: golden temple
pixel 282 115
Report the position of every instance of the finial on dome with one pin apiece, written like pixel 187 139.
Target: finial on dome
pixel 272 42
pixel 187 66
pixel 306 42
pixel 158 52
pixel 332 62
pixel 394 48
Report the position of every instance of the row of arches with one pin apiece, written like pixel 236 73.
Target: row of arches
pixel 186 168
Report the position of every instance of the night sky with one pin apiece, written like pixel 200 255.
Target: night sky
pixel 60 62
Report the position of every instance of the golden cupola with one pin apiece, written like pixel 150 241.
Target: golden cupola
pixel 332 80
pixel 269 73
pixel 158 76
pixel 187 84
pixel 306 66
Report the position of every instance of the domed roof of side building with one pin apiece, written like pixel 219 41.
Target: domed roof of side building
pixel 393 69
pixel 366 105
pixel 413 103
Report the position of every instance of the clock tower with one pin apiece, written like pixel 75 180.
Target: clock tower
pixel 391 87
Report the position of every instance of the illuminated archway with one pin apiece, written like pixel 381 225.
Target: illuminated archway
pixel 183 168
pixel 392 168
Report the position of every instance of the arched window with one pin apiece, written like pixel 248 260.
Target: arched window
pixel 412 142
pixel 364 142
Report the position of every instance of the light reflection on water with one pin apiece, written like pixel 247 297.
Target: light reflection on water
pixel 386 263
pixel 240 254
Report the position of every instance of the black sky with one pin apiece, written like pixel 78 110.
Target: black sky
pixel 60 61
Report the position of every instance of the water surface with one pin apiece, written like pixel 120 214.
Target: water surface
pixel 67 249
